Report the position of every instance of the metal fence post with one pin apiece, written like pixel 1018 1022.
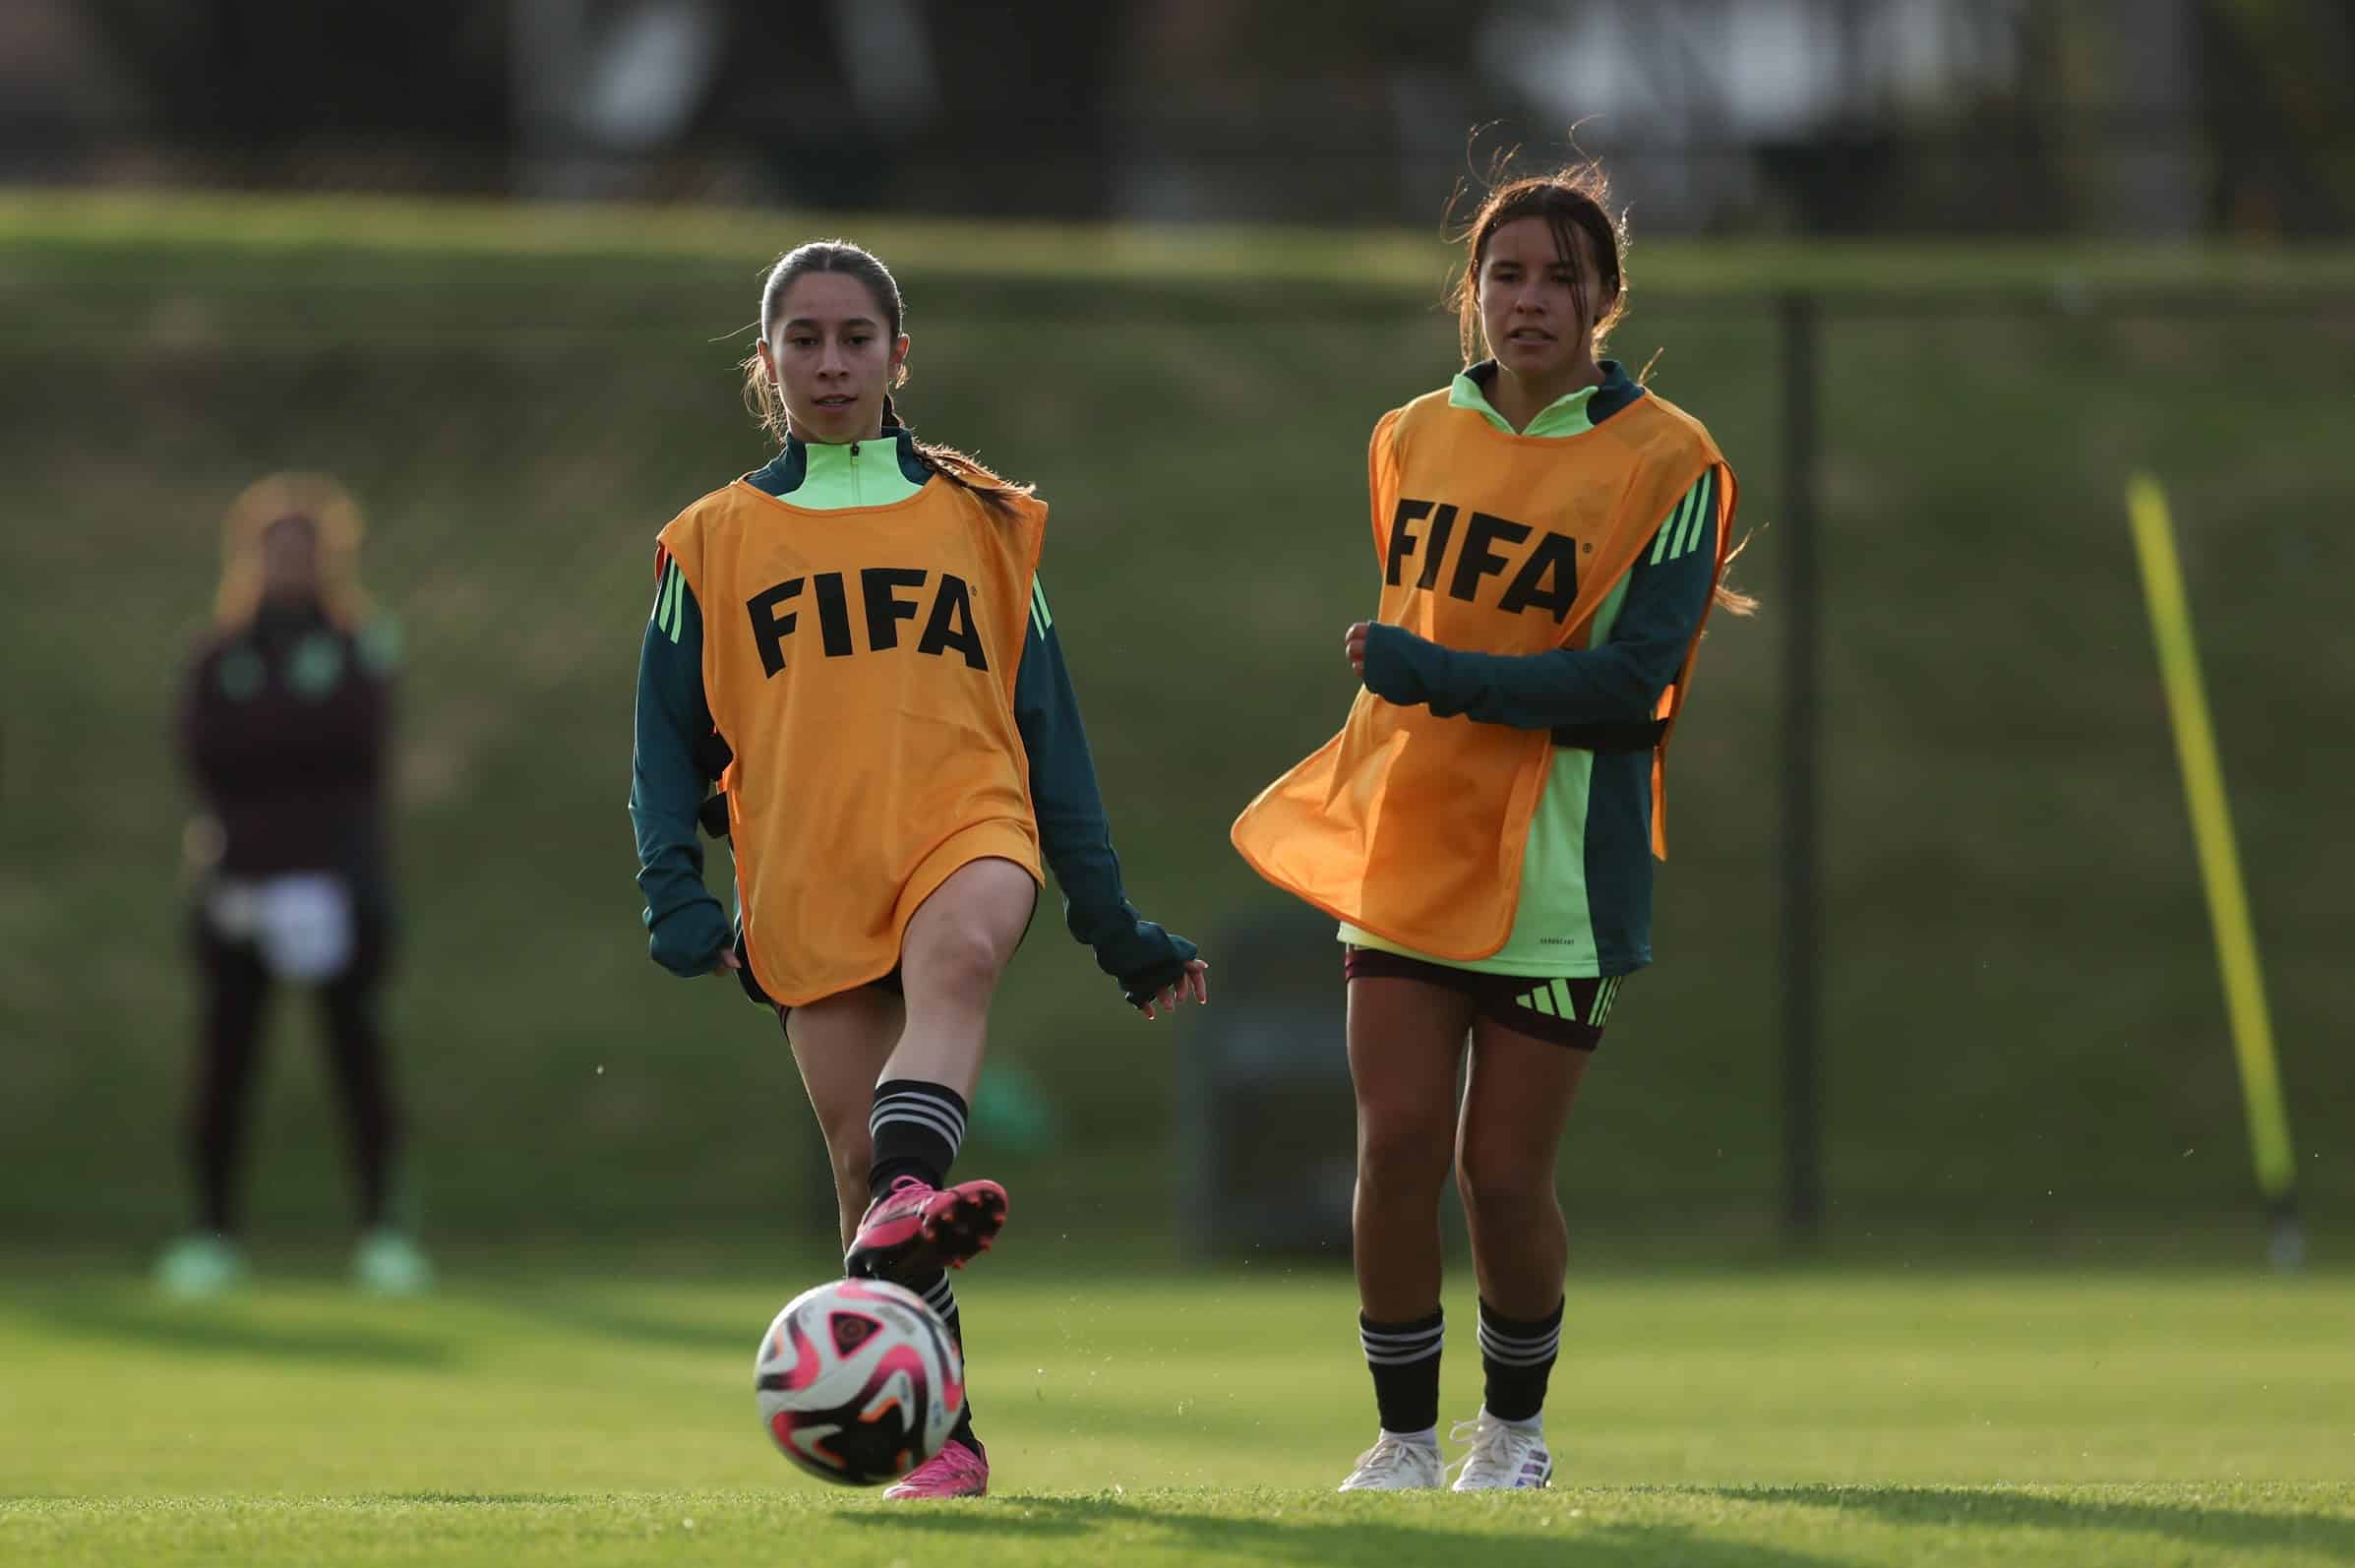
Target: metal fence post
pixel 1801 949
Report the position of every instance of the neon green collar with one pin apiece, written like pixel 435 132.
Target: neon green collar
pixel 833 477
pixel 1569 415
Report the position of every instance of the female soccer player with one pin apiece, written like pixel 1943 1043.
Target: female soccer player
pixel 854 643
pixel 285 729
pixel 1550 538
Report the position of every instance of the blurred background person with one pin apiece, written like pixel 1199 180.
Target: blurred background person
pixel 285 724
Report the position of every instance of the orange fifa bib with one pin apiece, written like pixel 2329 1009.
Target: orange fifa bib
pixel 1413 826
pixel 860 663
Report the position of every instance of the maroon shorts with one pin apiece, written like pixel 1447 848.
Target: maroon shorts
pixel 1562 1012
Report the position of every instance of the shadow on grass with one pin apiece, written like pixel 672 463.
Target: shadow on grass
pixel 1375 1541
pixel 585 1314
pixel 475 1499
pixel 2187 1522
pixel 221 1329
pixel 108 1506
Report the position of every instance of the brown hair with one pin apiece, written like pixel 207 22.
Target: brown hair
pixel 767 403
pixel 335 522
pixel 1573 199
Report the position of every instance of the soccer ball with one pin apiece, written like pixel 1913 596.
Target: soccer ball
pixel 859 1382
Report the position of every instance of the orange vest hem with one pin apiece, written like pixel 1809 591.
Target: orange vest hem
pixel 999 840
pixel 1377 927
pixel 996 840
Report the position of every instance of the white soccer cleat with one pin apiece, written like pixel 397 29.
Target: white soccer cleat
pixel 1503 1458
pixel 1396 1464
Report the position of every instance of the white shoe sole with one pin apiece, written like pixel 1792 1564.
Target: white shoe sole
pixel 1540 1484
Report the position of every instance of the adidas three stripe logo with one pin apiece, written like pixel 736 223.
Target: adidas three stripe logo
pixel 1556 1000
pixel 1694 518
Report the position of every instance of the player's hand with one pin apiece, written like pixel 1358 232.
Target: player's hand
pixel 1354 644
pixel 728 963
pixel 1193 983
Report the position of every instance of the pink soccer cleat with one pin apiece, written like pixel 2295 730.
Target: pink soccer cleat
pixel 914 1228
pixel 959 1470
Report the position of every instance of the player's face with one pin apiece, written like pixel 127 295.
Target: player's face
pixel 1529 301
pixel 833 356
pixel 290 559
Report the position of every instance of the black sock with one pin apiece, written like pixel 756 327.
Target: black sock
pixel 941 1297
pixel 1518 1359
pixel 1403 1359
pixel 916 1129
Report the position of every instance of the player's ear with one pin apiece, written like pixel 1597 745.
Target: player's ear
pixel 768 361
pixel 899 359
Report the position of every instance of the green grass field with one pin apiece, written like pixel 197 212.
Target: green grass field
pixel 585 1414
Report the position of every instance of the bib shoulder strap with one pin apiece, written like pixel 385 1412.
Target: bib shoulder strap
pixel 1411 419
pixel 1667 432
pixel 686 535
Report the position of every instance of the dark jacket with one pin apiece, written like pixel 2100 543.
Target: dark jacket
pixel 283 728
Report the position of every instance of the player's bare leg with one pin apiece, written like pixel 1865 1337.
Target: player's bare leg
pixel 954 950
pixel 957 946
pixel 1405 1038
pixel 841 1043
pixel 1517 1100
pixel 951 958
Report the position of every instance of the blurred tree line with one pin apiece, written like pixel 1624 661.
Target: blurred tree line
pixel 2134 117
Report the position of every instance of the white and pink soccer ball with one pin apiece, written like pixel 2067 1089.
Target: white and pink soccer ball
pixel 859 1382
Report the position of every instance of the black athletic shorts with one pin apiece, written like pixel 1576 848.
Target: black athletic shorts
pixel 1562 1012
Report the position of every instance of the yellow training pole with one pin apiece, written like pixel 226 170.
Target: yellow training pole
pixel 2219 859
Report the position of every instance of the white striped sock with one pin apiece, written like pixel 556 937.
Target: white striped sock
pixel 1400 1350
pixel 917 1109
pixel 1519 1350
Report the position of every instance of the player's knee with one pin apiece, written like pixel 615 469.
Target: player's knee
pixel 961 959
pixel 1405 1160
pixel 1507 1186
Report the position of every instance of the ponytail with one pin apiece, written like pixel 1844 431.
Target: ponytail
pixel 996 492
pixel 1725 595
